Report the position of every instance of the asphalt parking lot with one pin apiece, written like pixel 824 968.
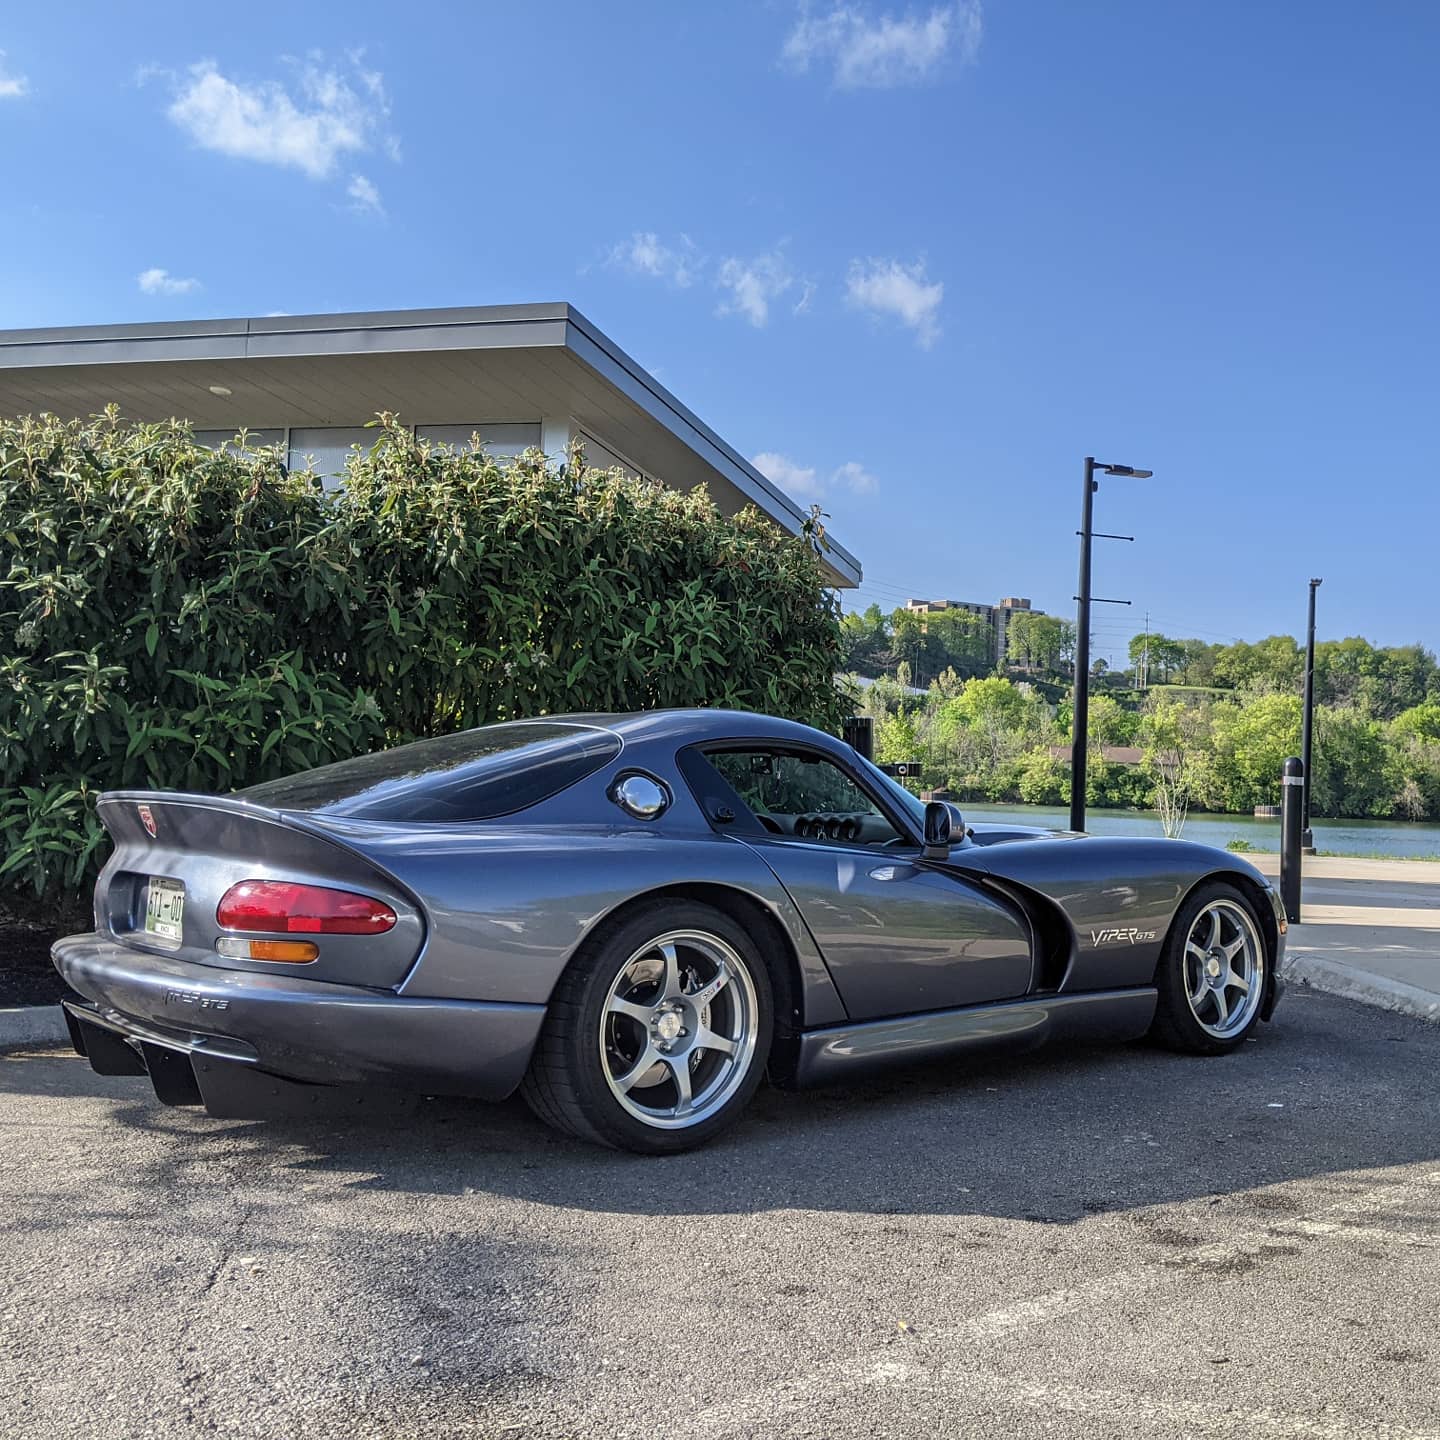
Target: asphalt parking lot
pixel 1087 1243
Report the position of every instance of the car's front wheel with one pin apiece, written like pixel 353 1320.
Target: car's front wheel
pixel 1212 974
pixel 658 1034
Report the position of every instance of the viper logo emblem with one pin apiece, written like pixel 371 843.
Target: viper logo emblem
pixel 1130 936
pixel 147 819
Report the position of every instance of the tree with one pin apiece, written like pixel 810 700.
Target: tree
pixel 1139 655
pixel 1420 721
pixel 1110 723
pixel 1198 665
pixel 896 739
pixel 1043 778
pixel 1174 737
pixel 910 642
pixel 1034 641
pixel 980 735
pixel 961 640
pixel 856 648
pixel 1155 656
pixel 1251 741
pixel 947 684
pixel 1413 746
pixel 1353 773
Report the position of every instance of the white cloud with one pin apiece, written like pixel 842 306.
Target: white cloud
pixel 886 287
pixel 364 195
pixel 753 284
pixel 867 50
pixel 804 481
pixel 644 253
pixel 807 294
pixel 325 119
pixel 12 86
pixel 161 282
pixel 796 479
pixel 855 478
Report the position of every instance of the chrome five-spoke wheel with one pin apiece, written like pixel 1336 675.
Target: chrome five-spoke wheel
pixel 1224 968
pixel 659 1031
pixel 1212 981
pixel 678 1029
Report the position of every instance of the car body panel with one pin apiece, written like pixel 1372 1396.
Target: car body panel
pixel 1117 894
pixel 898 936
pixel 509 907
pixel 841 1051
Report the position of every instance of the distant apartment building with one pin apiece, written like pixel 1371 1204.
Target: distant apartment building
pixel 996 616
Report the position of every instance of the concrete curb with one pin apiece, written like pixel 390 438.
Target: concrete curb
pixel 32 1025
pixel 1363 985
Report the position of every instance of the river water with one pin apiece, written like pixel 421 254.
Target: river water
pixel 1402 839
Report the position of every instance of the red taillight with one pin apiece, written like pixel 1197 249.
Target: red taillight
pixel 280 907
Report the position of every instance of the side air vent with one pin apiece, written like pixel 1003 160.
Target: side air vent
pixel 1053 937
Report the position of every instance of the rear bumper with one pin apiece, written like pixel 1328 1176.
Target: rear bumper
pixel 299 1030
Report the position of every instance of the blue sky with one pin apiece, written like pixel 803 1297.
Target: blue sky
pixel 920 261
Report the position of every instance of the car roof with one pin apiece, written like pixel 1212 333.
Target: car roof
pixel 694 726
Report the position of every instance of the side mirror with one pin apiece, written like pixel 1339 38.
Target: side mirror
pixel 938 822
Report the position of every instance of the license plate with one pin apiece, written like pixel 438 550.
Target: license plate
pixel 164 907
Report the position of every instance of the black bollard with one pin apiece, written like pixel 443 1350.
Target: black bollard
pixel 1292 824
pixel 859 734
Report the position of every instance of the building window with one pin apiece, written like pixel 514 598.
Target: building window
pixel 599 456
pixel 500 441
pixel 224 439
pixel 326 450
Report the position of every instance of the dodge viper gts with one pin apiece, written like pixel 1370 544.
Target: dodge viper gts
pixel 631 919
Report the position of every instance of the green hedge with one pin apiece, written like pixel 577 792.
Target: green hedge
pixel 180 618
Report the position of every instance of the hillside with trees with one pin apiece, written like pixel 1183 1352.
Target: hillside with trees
pixel 1211 726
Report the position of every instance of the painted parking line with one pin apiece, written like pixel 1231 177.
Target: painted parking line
pixel 1371 1234
pixel 1176 1415
pixel 1373 916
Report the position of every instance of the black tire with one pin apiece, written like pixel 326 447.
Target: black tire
pixel 1177 1025
pixel 567 1085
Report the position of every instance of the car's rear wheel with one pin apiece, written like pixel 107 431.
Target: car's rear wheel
pixel 658 1034
pixel 1212 974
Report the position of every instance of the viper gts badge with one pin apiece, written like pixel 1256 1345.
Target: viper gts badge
pixel 1130 936
pixel 199 1002
pixel 147 819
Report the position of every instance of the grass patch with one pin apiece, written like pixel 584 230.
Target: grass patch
pixel 1374 855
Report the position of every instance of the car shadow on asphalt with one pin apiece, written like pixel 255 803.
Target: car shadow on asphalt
pixel 1050 1136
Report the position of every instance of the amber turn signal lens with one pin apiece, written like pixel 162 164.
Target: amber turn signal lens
pixel 286 952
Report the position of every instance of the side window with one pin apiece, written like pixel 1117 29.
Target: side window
pixel 804 795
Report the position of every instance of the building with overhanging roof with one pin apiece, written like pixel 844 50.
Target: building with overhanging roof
pixel 517 375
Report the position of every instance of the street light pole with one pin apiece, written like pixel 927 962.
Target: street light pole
pixel 1307 840
pixel 1080 717
pixel 1080 710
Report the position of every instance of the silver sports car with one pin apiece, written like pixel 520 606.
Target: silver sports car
pixel 632 919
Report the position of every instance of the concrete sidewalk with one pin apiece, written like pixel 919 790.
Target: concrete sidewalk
pixel 1369 930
